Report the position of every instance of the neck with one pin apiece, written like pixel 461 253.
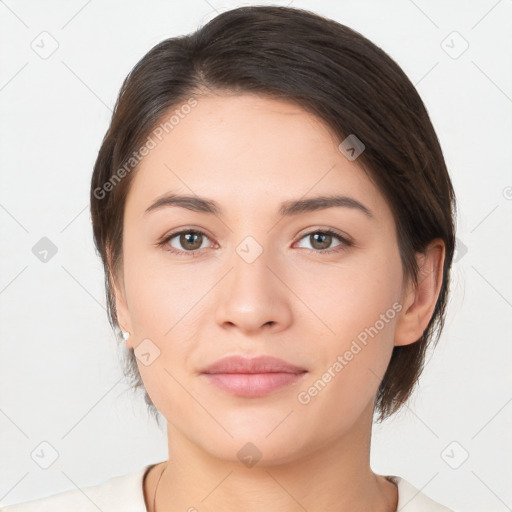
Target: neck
pixel 335 476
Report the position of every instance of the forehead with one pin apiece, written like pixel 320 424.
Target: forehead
pixel 247 150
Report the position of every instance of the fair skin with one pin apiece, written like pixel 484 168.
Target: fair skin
pixel 295 301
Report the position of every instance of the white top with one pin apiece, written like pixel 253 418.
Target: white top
pixel 125 494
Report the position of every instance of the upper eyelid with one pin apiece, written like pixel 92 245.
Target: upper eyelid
pixel 166 238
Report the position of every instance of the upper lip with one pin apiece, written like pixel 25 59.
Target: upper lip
pixel 261 364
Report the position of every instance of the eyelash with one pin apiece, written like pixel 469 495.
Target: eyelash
pixel 343 246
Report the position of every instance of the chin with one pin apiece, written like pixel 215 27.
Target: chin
pixel 255 443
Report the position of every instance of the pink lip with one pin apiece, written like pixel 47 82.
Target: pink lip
pixel 252 377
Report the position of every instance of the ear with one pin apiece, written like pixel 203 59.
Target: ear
pixel 122 311
pixel 420 300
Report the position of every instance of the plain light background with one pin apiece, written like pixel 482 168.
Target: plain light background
pixel 61 382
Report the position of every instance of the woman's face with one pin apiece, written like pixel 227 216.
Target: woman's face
pixel 256 281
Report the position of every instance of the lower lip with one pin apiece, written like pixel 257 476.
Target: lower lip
pixel 252 384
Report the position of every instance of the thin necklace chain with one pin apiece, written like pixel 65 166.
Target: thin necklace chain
pixel 156 488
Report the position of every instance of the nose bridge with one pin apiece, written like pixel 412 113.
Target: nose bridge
pixel 251 261
pixel 252 295
pixel 253 249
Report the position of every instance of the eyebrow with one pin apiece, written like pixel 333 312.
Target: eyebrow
pixel 287 208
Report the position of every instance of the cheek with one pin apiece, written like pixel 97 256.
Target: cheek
pixel 350 364
pixel 350 296
pixel 358 304
pixel 161 300
pixel 159 293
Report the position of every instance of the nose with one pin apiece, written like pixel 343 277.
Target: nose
pixel 253 295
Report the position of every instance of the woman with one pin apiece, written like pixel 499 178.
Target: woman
pixel 275 219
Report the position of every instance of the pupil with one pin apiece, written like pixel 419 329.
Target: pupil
pixel 325 243
pixel 186 237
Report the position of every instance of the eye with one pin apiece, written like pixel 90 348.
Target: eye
pixel 321 239
pixel 191 241
pixel 188 241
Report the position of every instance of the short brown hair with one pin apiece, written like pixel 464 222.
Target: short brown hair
pixel 329 70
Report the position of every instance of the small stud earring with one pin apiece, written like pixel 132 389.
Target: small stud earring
pixel 126 335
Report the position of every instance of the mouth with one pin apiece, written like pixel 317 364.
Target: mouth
pixel 255 377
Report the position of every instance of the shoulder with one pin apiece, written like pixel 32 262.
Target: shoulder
pixel 411 499
pixel 120 493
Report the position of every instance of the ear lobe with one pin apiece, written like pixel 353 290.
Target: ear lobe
pixel 420 300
